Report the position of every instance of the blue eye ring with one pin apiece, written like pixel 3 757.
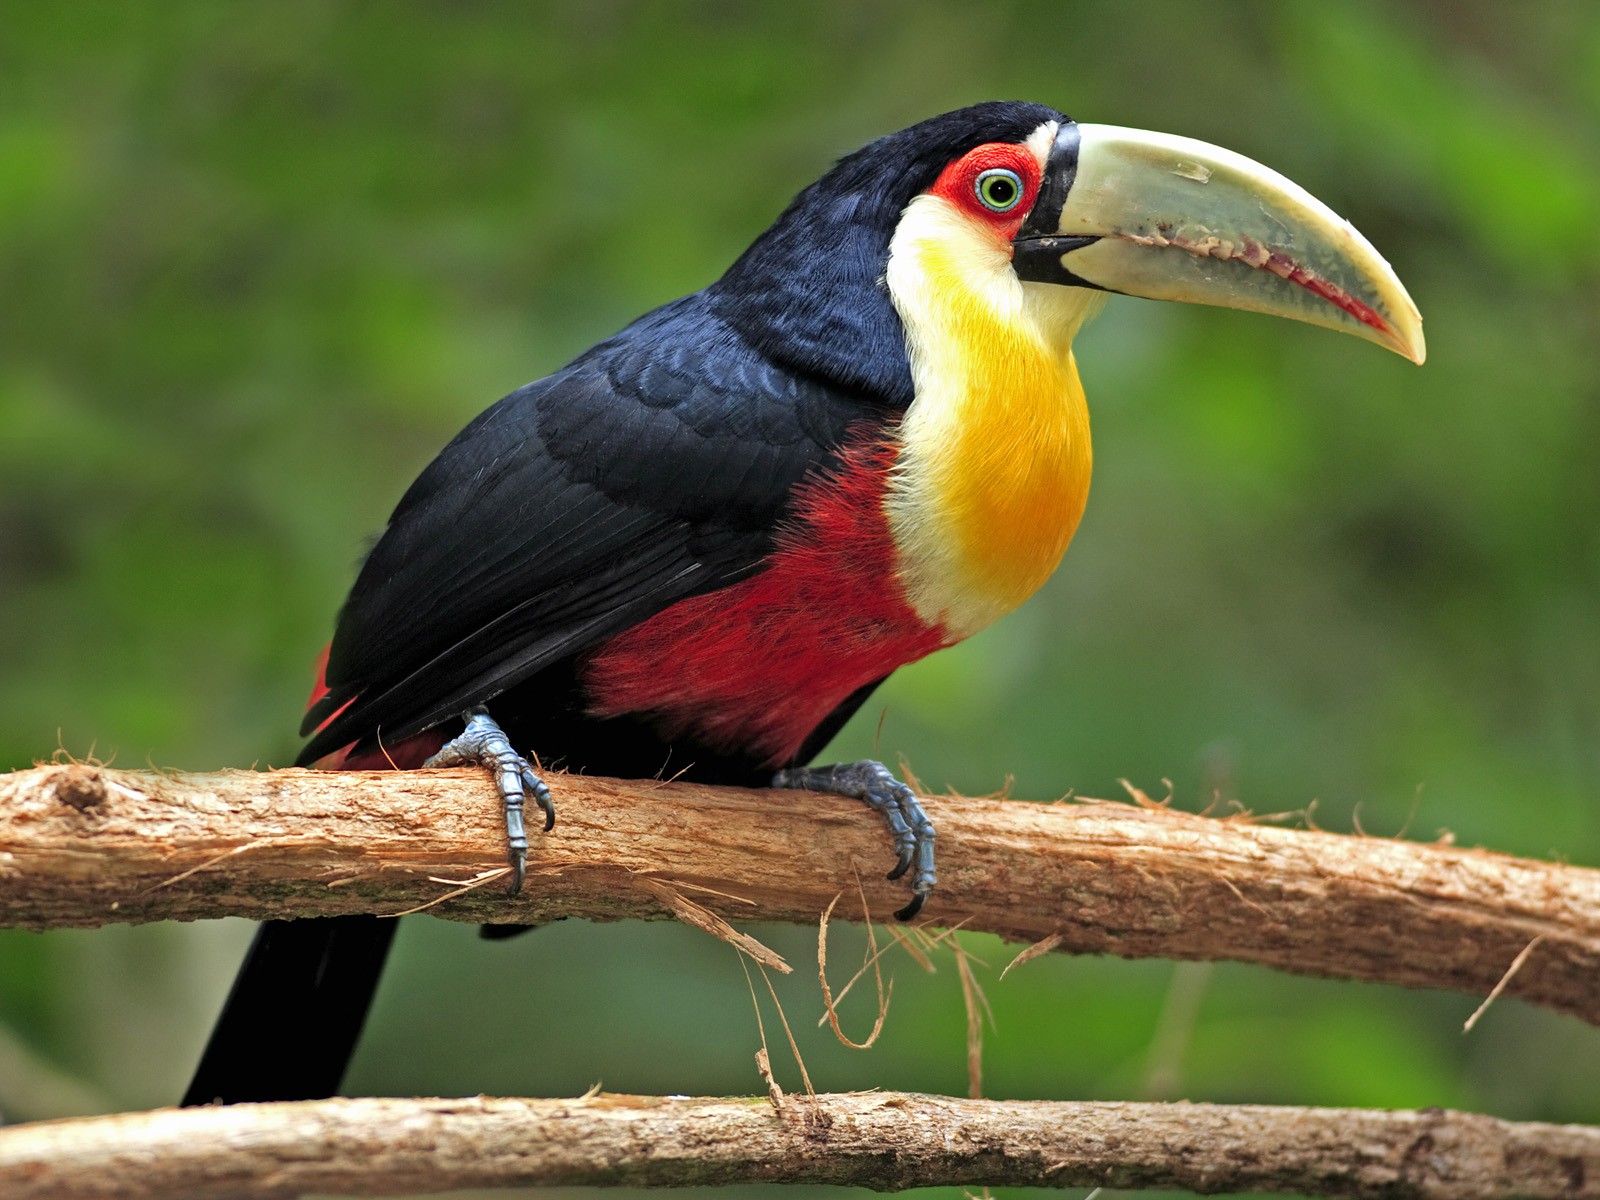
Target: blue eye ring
pixel 998 189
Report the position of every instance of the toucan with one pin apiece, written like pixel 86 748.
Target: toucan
pixel 697 548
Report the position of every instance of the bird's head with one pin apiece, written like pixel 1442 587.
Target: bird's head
pixel 1034 201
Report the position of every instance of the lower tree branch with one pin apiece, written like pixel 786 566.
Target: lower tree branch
pixel 83 845
pixel 881 1140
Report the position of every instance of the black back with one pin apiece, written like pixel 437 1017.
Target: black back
pixel 657 466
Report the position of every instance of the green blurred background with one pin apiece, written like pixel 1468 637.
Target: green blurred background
pixel 258 262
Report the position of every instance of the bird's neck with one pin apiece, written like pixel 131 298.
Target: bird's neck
pixel 994 463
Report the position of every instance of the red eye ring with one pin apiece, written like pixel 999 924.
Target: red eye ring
pixel 996 182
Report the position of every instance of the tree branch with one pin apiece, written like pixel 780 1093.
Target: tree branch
pixel 881 1140
pixel 84 845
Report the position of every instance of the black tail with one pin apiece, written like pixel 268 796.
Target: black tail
pixel 295 1013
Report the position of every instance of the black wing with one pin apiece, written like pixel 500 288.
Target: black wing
pixel 657 466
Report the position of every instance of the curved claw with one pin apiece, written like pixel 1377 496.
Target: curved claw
pixel 912 909
pixel 483 743
pixel 875 785
pixel 541 797
pixel 904 865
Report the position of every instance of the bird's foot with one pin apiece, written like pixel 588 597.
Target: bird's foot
pixel 484 744
pixel 875 784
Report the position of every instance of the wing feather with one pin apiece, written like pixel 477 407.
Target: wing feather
pixel 656 467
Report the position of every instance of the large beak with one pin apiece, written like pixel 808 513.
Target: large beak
pixel 1171 218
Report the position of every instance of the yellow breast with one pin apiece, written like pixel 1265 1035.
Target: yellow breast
pixel 995 459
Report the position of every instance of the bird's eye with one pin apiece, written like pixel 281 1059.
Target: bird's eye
pixel 998 189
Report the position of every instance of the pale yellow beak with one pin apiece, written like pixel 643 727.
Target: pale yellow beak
pixel 1172 218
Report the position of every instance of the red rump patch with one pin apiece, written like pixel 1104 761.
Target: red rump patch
pixel 319 687
pixel 402 756
pixel 759 665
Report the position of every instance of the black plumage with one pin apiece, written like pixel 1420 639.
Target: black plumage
pixel 658 465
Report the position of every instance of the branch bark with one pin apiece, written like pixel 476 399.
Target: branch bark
pixel 82 845
pixel 881 1140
